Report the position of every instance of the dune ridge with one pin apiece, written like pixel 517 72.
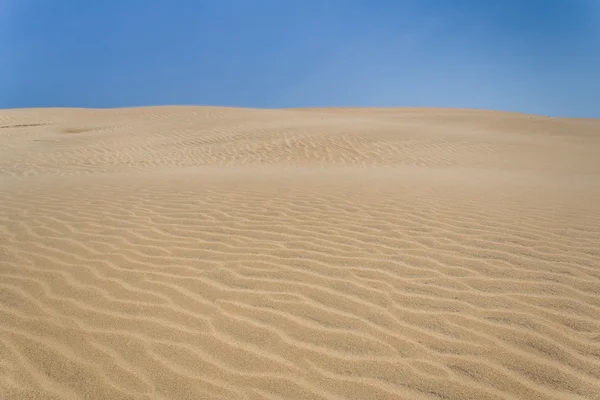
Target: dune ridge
pixel 213 252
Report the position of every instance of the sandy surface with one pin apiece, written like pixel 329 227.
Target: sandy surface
pixel 217 253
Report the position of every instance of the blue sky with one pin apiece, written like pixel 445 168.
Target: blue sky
pixel 535 56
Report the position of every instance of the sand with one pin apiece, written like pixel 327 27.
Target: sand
pixel 223 253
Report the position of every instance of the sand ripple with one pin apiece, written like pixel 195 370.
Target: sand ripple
pixel 190 253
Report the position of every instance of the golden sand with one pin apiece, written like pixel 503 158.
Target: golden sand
pixel 222 253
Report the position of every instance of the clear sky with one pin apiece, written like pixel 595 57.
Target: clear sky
pixel 535 56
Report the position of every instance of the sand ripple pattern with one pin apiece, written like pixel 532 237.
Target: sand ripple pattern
pixel 215 253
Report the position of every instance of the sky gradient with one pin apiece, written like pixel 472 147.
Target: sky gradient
pixel 533 56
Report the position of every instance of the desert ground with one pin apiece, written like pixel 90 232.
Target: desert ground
pixel 226 253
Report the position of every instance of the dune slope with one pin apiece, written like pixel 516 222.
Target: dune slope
pixel 222 253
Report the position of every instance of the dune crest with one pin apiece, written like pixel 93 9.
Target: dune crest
pixel 223 253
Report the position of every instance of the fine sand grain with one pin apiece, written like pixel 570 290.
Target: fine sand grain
pixel 222 253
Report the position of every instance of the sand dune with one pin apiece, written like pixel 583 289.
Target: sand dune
pixel 222 253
